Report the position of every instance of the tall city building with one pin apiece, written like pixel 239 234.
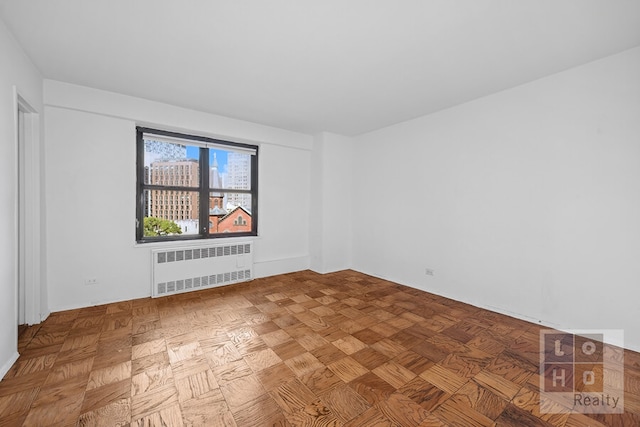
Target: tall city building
pixel 239 177
pixel 169 204
pixel 216 206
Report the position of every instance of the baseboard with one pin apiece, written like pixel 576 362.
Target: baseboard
pixel 8 364
pixel 65 307
pixel 540 322
pixel 279 266
pixel 260 269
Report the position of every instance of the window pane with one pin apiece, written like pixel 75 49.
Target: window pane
pixel 170 212
pixel 229 212
pixel 168 163
pixel 229 169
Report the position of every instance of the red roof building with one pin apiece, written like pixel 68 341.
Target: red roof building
pixel 238 220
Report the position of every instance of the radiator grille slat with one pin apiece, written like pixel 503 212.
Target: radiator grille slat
pixel 180 270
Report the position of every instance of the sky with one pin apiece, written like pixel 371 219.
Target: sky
pixel 221 157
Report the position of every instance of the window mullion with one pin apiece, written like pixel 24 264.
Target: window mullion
pixel 168 188
pixel 230 190
pixel 204 192
pixel 254 194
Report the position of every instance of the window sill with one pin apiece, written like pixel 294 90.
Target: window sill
pixel 195 242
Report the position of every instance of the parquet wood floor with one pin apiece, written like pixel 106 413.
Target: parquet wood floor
pixel 301 349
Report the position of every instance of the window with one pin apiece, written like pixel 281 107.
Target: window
pixel 188 185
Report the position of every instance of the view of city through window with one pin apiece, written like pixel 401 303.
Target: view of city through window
pixel 176 209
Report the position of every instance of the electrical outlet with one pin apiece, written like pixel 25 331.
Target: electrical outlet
pixel 91 281
pixel 428 272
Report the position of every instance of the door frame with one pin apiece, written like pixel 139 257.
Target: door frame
pixel 29 217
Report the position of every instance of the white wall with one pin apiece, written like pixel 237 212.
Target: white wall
pixel 90 175
pixel 331 207
pixel 526 202
pixel 16 71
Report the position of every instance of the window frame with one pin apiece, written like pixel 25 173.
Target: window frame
pixel 203 189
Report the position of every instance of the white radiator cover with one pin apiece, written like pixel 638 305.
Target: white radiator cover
pixel 185 269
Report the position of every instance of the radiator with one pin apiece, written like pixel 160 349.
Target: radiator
pixel 179 270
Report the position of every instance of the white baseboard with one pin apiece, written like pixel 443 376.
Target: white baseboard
pixel 44 316
pixel 280 266
pixel 75 306
pixel 8 364
pixel 633 346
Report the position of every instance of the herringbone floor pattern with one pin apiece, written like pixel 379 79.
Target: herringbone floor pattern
pixel 300 349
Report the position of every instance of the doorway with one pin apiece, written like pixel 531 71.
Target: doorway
pixel 28 239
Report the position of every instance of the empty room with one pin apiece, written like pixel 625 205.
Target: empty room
pixel 320 213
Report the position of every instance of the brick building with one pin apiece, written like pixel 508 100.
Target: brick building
pixel 236 221
pixel 168 204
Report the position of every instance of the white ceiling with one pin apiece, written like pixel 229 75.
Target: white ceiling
pixel 343 66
